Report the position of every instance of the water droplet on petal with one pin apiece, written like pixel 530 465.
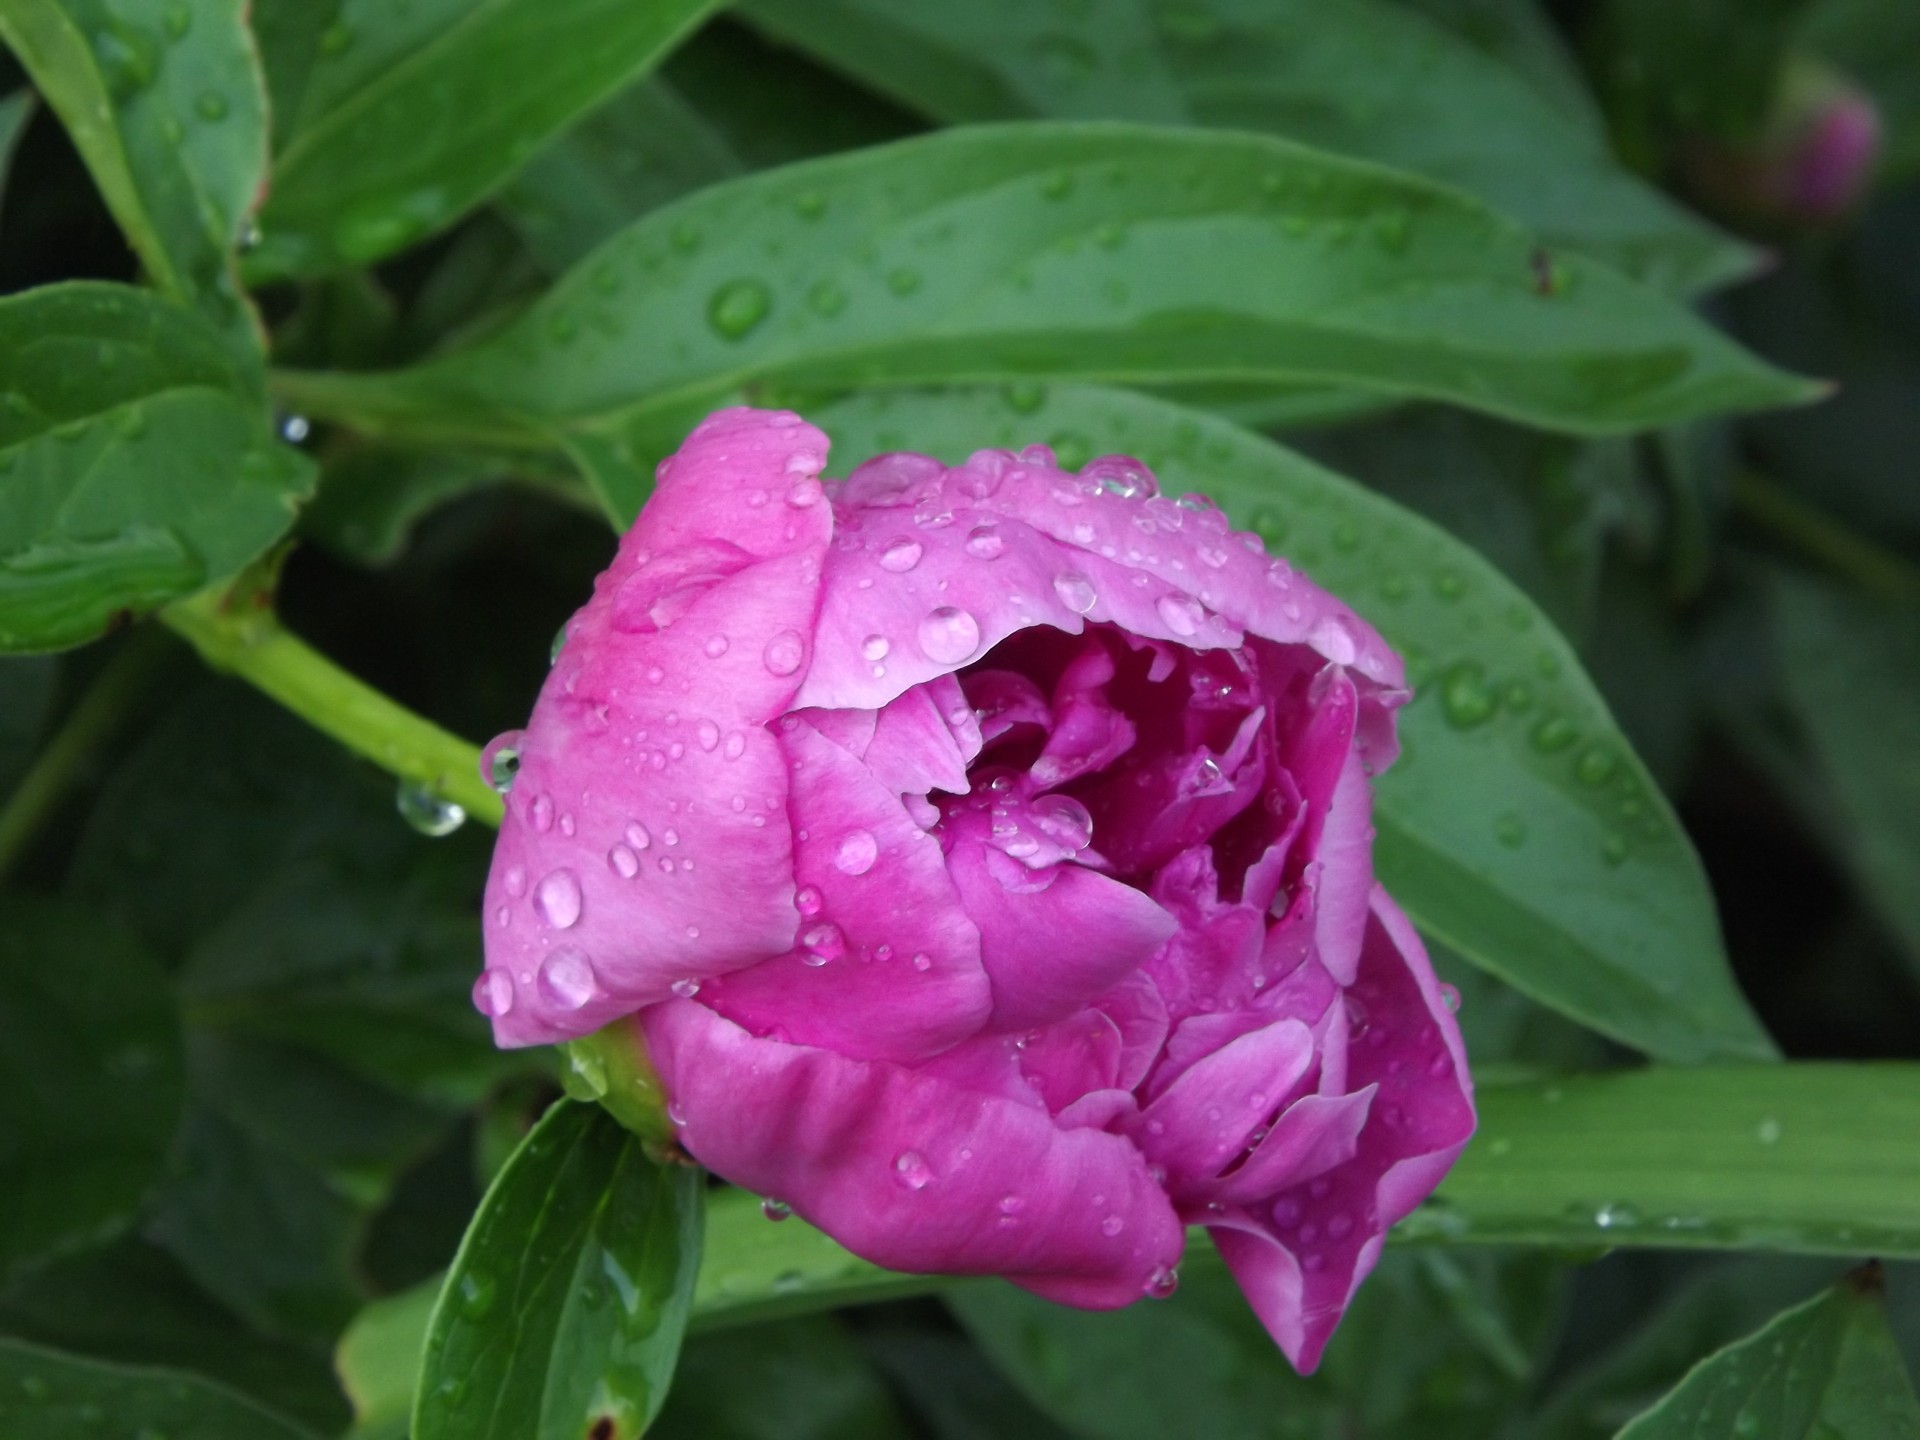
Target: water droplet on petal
pixel 822 943
pixel 540 812
pixel 686 989
pixel 910 1168
pixel 1164 1280
pixel 736 746
pixel 1112 1226
pixel 875 647
pixel 984 542
pixel 557 898
pixel 493 992
pixel 1180 613
pixel 775 1210
pixel 708 734
pixel 500 761
pixel 949 635
pixel 922 963
pixel 566 978
pixel 784 652
pixel 623 862
pixel 1076 591
pixel 901 556
pixel 807 900
pixel 715 647
pixel 856 852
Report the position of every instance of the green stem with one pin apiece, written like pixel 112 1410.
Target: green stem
pixel 233 636
pixel 71 754
pixel 1804 527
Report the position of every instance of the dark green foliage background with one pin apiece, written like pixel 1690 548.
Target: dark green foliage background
pixel 358 321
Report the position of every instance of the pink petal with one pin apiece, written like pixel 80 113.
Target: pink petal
pixel 882 962
pixel 912 1172
pixel 924 740
pixel 1299 1255
pixel 1051 940
pixel 1205 1118
pixel 615 874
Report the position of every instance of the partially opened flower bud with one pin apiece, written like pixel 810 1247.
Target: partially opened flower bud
pixel 984 854
pixel 1811 162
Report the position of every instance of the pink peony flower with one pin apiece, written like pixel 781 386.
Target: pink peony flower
pixel 984 854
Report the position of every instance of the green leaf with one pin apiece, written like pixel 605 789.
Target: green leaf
pixel 15 110
pixel 1835 648
pixel 90 1078
pixel 132 1304
pixel 1201 1364
pixel 45 1395
pixel 394 120
pixel 166 105
pixel 1811 1158
pixel 563 1313
pixel 1366 78
pixel 1713 1306
pixel 138 459
pixel 378 1359
pixel 1522 36
pixel 791 1380
pixel 1825 1370
pixel 643 148
pixel 1517 825
pixel 1096 250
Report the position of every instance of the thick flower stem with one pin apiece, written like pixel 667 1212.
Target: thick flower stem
pixel 69 755
pixel 235 636
pixel 1772 507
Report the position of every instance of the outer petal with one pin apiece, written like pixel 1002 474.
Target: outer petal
pixel 887 964
pixel 617 871
pixel 1300 1255
pixel 911 1171
pixel 1052 940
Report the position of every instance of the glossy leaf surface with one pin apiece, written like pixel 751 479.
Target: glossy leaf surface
pixel 1825 1370
pixel 563 1312
pixel 1517 825
pixel 1100 251
pixel 1367 78
pixel 167 107
pixel 391 121
pixel 139 462
pixel 45 1395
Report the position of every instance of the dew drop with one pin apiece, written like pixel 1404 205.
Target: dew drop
pixel 623 862
pixel 735 747
pixel 1596 766
pixel 910 1169
pixel 686 988
pixel 776 1210
pixel 856 852
pixel 875 647
pixel 1075 590
pixel 707 733
pixel 1161 1284
pixel 566 978
pixel 901 556
pixel 737 307
pixel 638 837
pixel 1180 613
pixel 984 542
pixel 784 653
pixel 922 963
pixel 949 635
pixel 715 647
pixel 557 898
pixel 1465 696
pixel 211 105
pixel 822 943
pixel 428 811
pixel 500 761
pixel 807 900
pixel 1112 1226
pixel 493 992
